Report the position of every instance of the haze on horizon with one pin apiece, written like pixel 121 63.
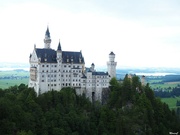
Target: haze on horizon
pixel 140 33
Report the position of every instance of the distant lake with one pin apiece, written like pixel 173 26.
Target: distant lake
pixel 155 74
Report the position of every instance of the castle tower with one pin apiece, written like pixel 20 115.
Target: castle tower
pixel 111 65
pixel 92 67
pixel 47 39
pixel 143 80
pixel 59 52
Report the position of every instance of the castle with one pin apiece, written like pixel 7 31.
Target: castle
pixel 54 69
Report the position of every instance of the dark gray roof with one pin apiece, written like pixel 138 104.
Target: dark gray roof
pixel 99 73
pixel 75 57
pixel 59 46
pixel 47 32
pixel 49 56
pixel 46 55
pixel 111 53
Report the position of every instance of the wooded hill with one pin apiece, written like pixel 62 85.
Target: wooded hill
pixel 130 109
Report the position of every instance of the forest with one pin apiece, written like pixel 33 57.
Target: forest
pixel 131 109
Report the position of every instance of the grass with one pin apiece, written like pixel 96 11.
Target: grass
pixel 156 83
pixel 165 85
pixel 171 102
pixel 13 77
pixel 6 83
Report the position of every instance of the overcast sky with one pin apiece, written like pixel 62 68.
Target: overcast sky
pixel 142 33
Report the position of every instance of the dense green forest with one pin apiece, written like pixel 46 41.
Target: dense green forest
pixel 130 109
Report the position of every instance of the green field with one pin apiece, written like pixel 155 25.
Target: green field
pixel 171 102
pixel 165 85
pixel 13 77
pixel 156 83
pixel 6 83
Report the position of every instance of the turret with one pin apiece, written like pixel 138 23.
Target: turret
pixel 92 67
pixel 59 52
pixel 111 65
pixel 47 39
pixel 111 57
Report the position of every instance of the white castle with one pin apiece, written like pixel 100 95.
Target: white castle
pixel 55 69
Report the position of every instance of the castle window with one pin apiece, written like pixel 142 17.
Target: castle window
pixel 54 84
pixel 47 65
pixel 42 70
pixel 42 75
pixel 64 65
pixel 54 75
pixel 42 65
pixel 51 65
pixel 69 65
pixel 47 71
pixel 42 80
pixel 55 65
pixel 54 80
pixel 54 70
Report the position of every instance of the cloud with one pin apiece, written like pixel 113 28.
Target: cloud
pixel 139 33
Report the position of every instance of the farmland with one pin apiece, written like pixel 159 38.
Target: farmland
pixel 13 77
pixel 171 101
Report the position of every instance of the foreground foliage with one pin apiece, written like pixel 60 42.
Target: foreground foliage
pixel 131 109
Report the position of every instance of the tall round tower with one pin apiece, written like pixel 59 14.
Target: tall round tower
pixel 111 65
pixel 47 39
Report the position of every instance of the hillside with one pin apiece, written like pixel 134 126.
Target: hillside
pixel 130 109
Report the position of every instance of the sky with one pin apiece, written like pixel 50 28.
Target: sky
pixel 141 33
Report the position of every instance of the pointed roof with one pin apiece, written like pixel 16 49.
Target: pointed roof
pixel 59 46
pixel 47 32
pixel 92 64
pixel 111 53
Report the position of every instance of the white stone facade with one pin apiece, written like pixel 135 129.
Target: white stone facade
pixel 54 69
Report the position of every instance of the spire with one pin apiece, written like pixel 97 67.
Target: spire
pixel 47 39
pixel 47 32
pixel 59 46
